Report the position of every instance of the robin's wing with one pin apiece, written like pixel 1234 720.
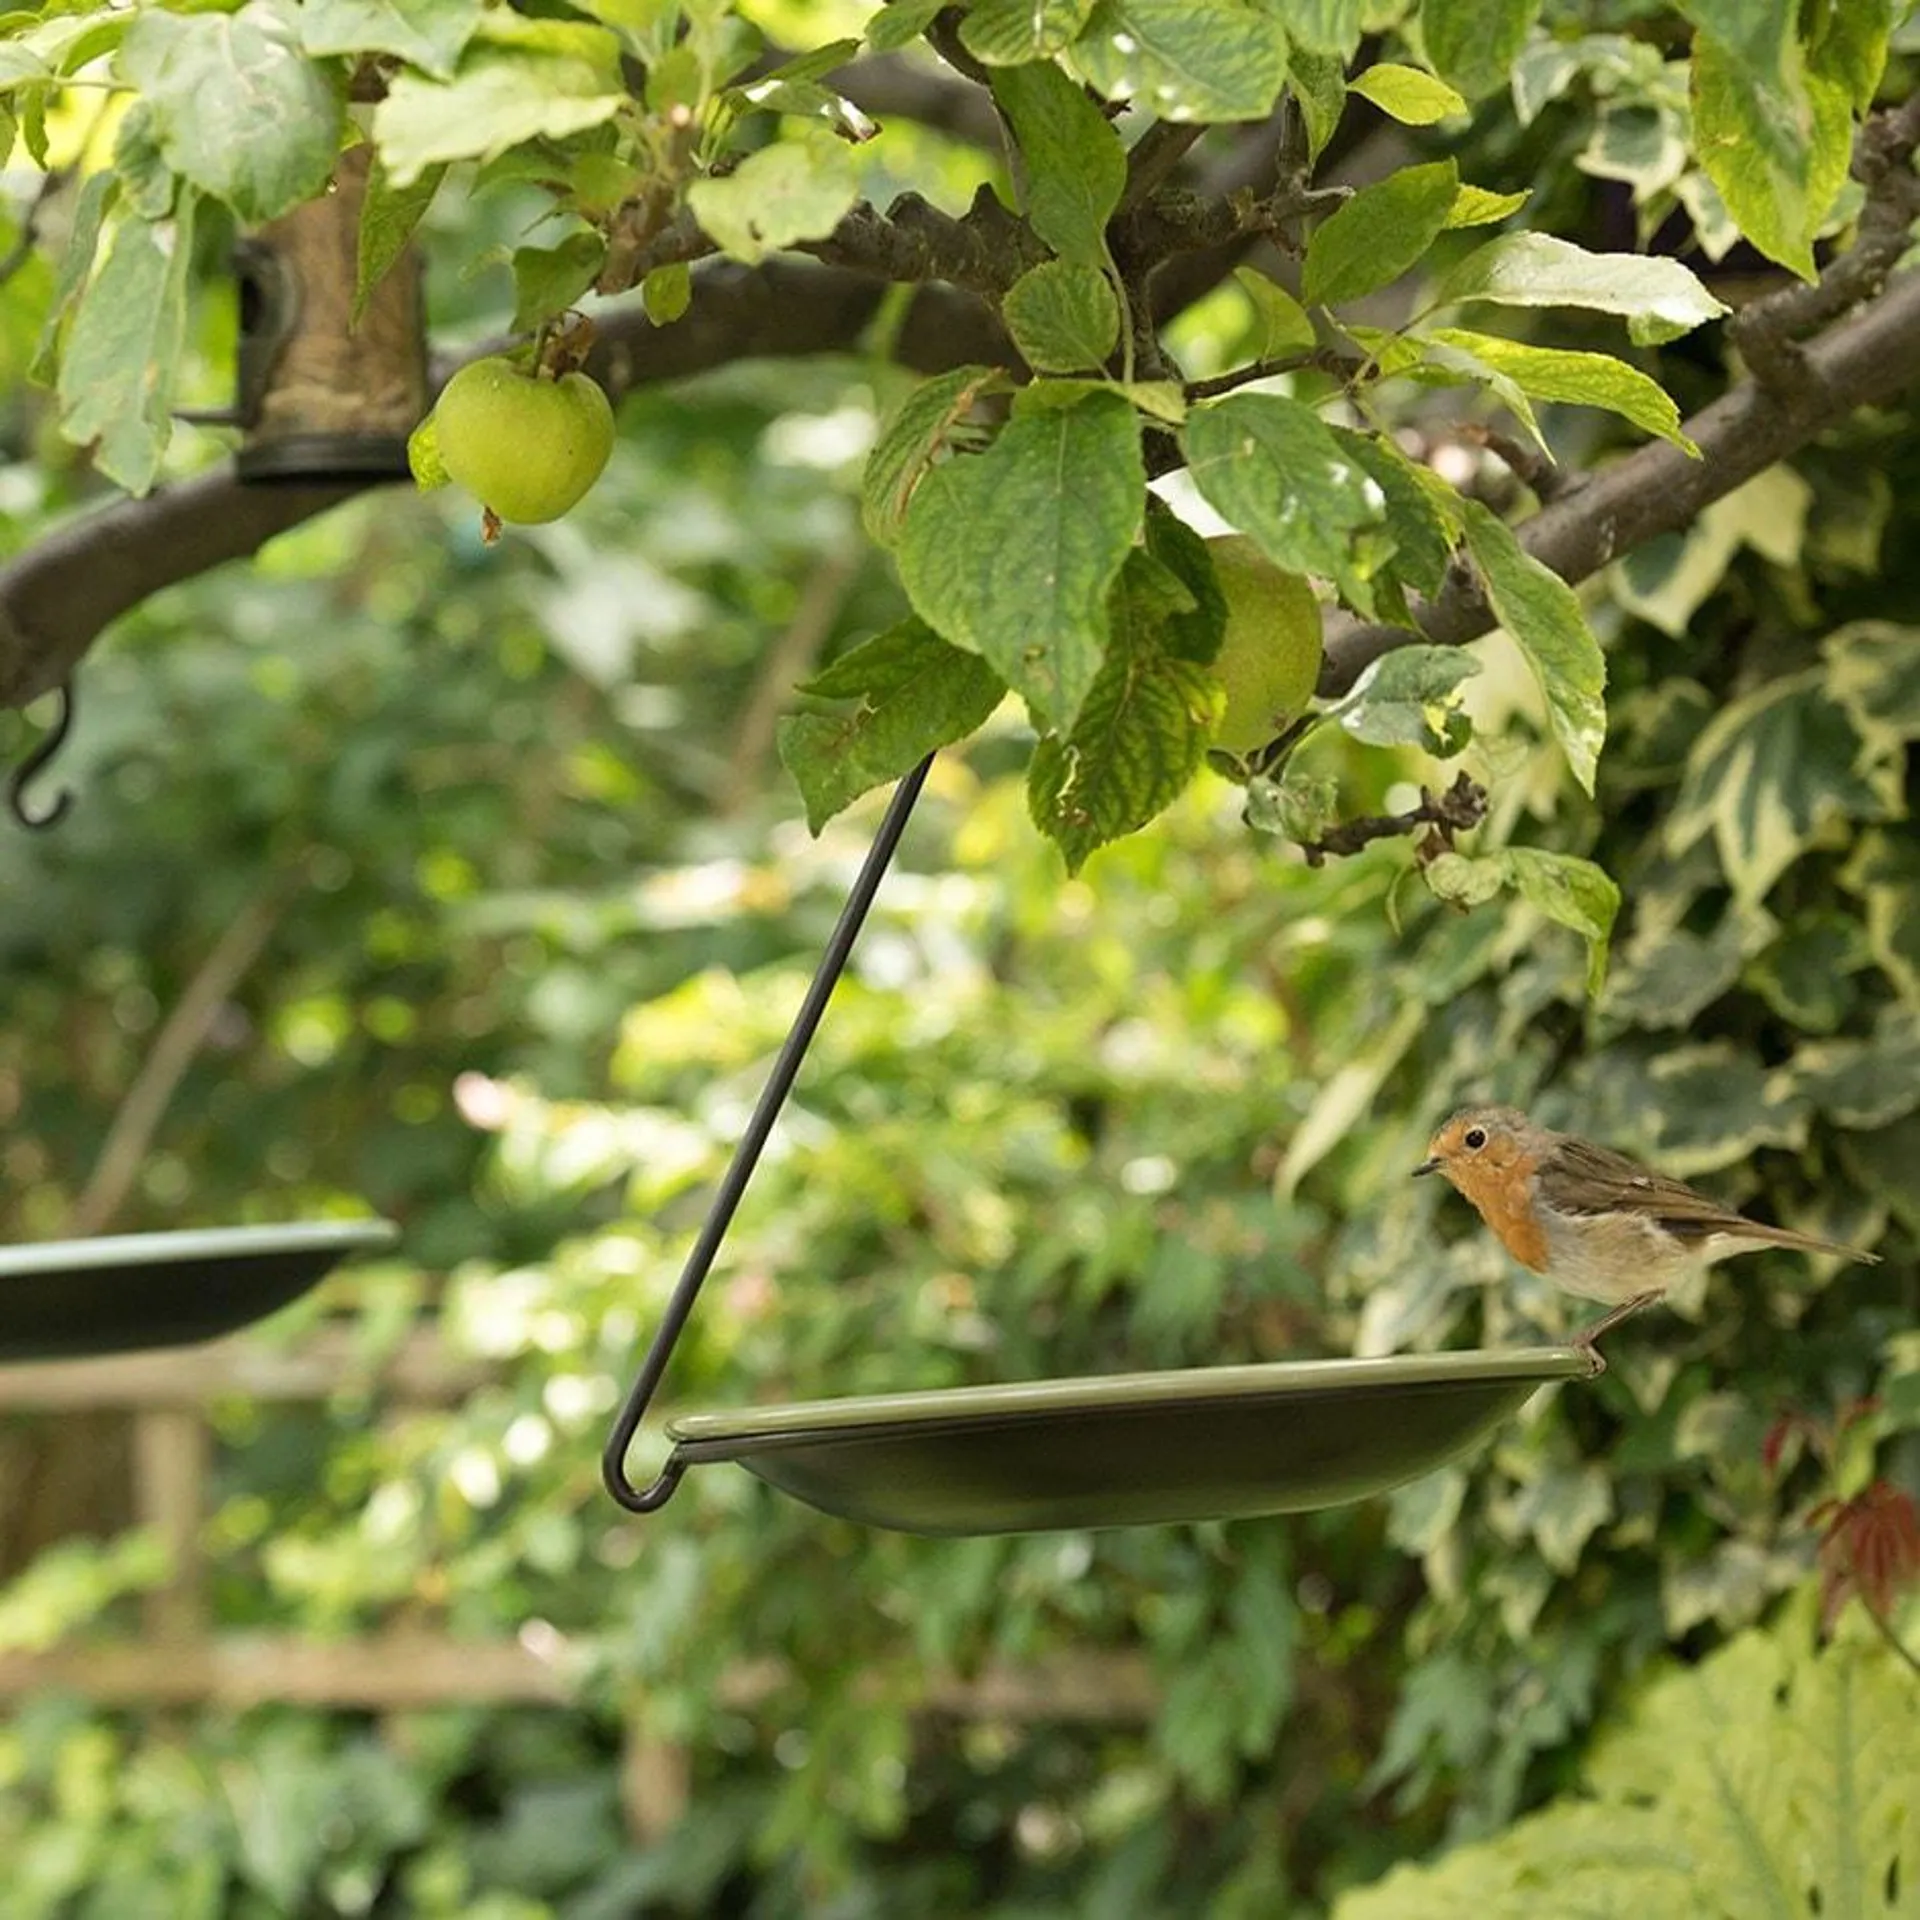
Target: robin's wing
pixel 1580 1178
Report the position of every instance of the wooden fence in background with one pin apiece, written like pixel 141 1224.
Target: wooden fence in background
pixel 182 1659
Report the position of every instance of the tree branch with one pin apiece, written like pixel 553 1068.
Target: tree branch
pixel 1861 362
pixel 58 595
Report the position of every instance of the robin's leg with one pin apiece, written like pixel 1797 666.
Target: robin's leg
pixel 1585 1338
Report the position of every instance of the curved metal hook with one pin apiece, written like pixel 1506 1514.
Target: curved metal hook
pixel 746 1155
pixel 36 763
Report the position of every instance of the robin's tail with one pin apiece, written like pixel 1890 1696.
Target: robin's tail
pixel 1752 1234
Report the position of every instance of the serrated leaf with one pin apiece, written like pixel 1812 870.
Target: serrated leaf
pixel 1575 379
pixel 1571 892
pixel 1849 47
pixel 1184 59
pixel 1141 734
pixel 428 34
pixel 1772 774
pixel 1160 400
pixel 912 692
pixel 1010 553
pixel 1422 541
pixel 1192 630
pixel 548 280
pixel 667 292
pixel 1273 469
pixel 1542 616
pixel 518 80
pixel 1474 43
pixel 1326 26
pixel 1076 168
pixel 1062 317
pixel 1481 207
pixel 1007 33
pixel 1411 698
pixel 389 216
pixel 794 190
pixel 1406 94
pixel 1538 270
pixel 123 351
pixel 1381 232
pixel 1776 145
pixel 236 106
pixel 1283 323
pixel 96 198
pixel 920 430
pixel 901 22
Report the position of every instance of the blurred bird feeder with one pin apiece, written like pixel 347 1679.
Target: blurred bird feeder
pixel 322 396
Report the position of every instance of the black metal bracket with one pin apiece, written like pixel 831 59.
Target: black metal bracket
pixel 746 1156
pixel 36 763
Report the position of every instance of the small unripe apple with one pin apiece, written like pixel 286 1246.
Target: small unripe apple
pixel 1269 655
pixel 525 446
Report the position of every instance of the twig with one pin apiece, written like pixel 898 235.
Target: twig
pixel 1343 366
pixel 821 598
pixel 1462 807
pixel 1155 155
pixel 181 1036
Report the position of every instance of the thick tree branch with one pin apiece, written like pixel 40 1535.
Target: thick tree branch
pixel 1863 361
pixel 57 596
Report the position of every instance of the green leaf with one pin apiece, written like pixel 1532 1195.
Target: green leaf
pixel 1474 43
pixel 1326 26
pixel 1010 553
pixel 1873 670
pixel 1571 892
pixel 1381 232
pixel 96 198
pixel 1273 469
pixel 1406 94
pixel 124 349
pixel 1411 698
pixel 1318 83
pixel 428 34
pixel 237 108
pixel 1141 734
pixel 901 22
pixel 1076 168
pixel 1542 616
pixel 1422 540
pixel 1194 623
pixel 1481 207
pixel 1884 875
pixel 667 292
pixel 388 217
pixel 148 181
pixel 797 189
pixel 1849 47
pixel 1776 144
pixel 548 280
pixel 1008 33
pixel 1160 400
pixel 1284 325
pixel 519 79
pixel 1184 59
pixel 1865 1083
pixel 921 429
pixel 913 693
pixel 1772 774
pixel 1062 316
pixel 1537 270
pixel 1576 379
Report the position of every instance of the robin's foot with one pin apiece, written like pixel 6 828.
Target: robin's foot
pixel 1596 1360
pixel 1585 1338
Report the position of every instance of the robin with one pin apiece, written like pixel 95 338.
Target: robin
pixel 1590 1219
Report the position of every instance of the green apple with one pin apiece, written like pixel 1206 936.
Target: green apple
pixel 1269 656
pixel 525 446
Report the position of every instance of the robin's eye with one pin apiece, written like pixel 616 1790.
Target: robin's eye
pixel 1474 1139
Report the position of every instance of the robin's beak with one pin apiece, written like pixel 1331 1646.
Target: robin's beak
pixel 1426 1166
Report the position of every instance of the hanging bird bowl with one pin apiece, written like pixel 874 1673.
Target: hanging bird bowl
pixel 1205 1443
pixel 74 1299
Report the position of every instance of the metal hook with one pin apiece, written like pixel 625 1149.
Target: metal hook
pixel 35 763
pixel 746 1156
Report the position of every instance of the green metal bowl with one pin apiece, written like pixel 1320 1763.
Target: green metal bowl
pixel 1204 1443
pixel 73 1299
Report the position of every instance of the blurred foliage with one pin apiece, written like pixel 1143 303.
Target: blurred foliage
pixel 540 910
